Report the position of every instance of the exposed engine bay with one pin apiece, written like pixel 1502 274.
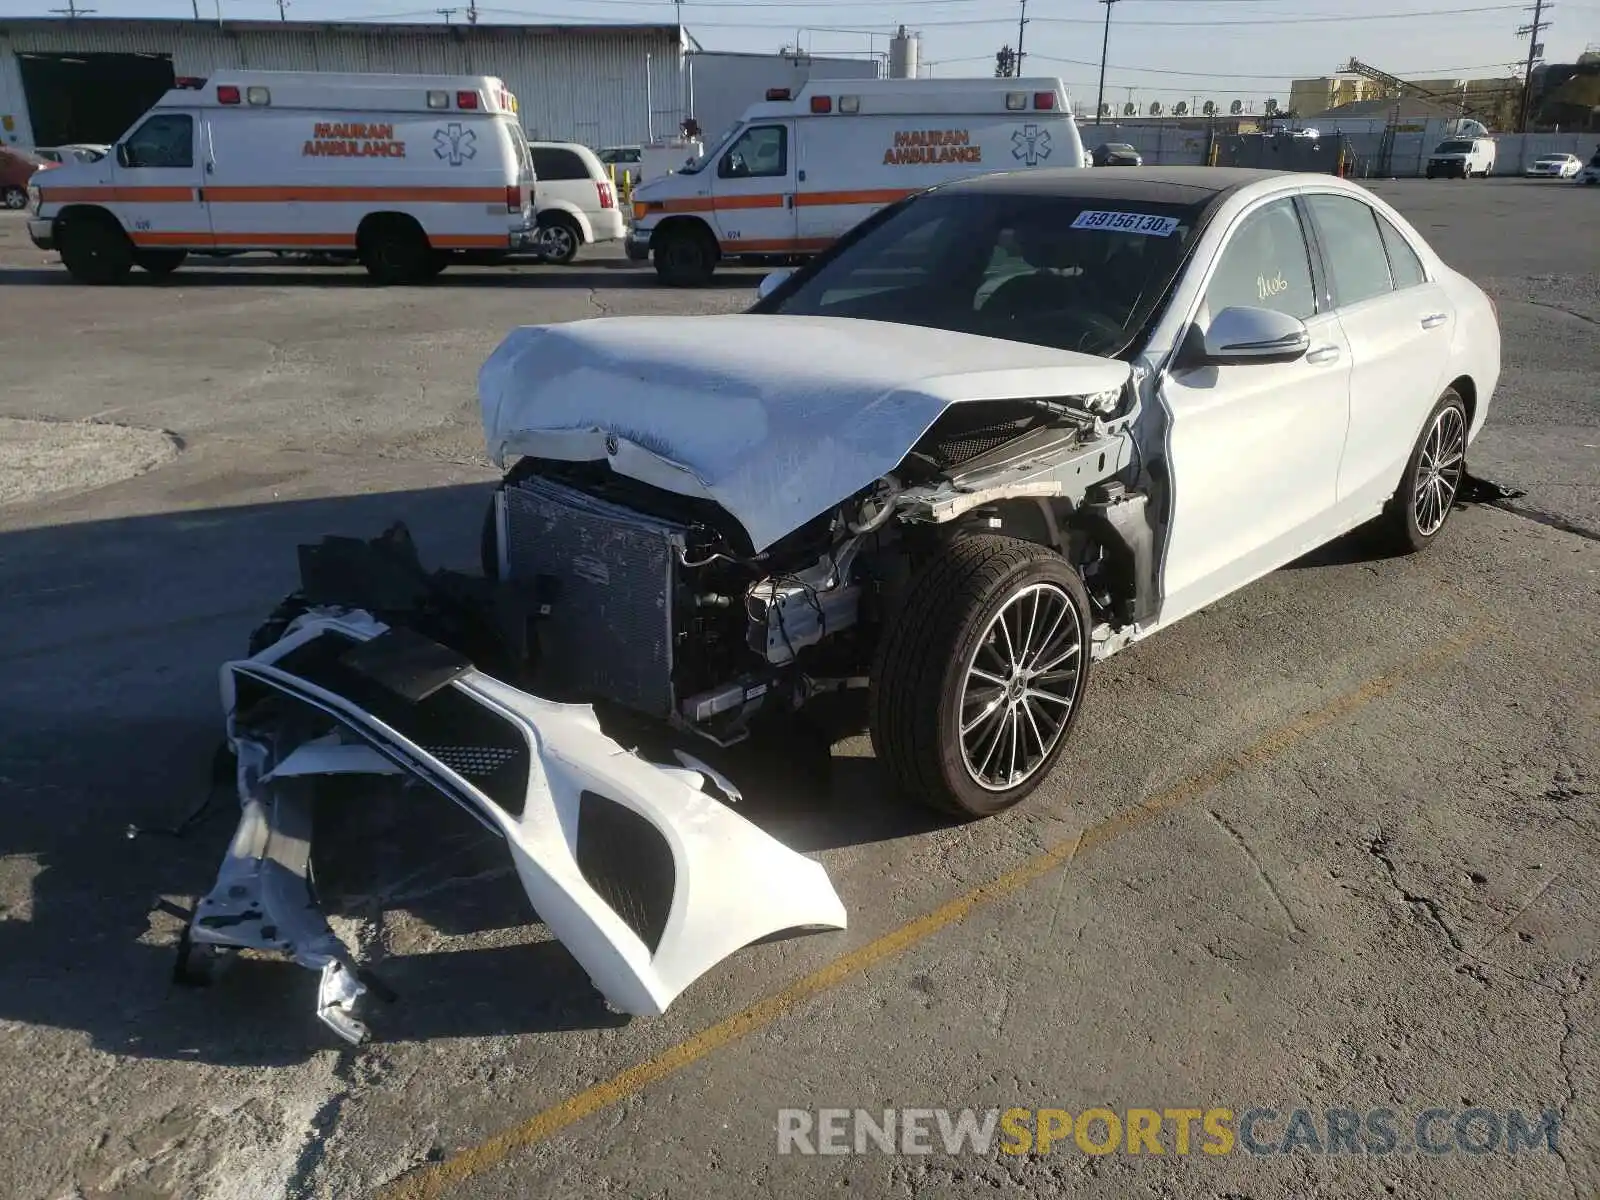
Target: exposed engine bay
pixel 657 602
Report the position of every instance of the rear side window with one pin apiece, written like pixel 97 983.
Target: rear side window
pixel 1353 248
pixel 553 165
pixel 166 140
pixel 1403 260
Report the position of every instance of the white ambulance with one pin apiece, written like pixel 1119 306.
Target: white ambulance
pixel 398 171
pixel 802 168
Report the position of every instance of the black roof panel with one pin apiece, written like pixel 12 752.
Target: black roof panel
pixel 1155 185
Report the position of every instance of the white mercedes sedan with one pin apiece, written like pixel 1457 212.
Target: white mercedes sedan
pixel 1555 166
pixel 1004 428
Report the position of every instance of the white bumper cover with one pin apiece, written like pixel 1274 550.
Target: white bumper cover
pixel 644 877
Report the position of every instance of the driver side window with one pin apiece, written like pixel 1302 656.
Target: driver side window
pixel 761 153
pixel 166 140
pixel 1265 264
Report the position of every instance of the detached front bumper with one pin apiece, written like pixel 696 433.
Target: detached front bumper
pixel 645 878
pixel 42 233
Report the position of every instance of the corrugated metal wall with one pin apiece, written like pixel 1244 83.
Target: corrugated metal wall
pixel 584 85
pixel 726 84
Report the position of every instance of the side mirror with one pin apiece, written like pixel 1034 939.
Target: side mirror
pixel 772 283
pixel 123 160
pixel 1237 336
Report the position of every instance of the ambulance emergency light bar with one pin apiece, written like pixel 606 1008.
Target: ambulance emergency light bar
pixel 823 105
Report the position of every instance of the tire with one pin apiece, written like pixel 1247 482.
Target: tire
pixel 562 239
pixel 1402 527
pixel 949 624
pixel 685 256
pixel 159 262
pixel 95 251
pixel 395 251
pixel 636 253
pixel 437 261
pixel 12 196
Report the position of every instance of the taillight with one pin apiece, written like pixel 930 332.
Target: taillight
pixel 513 197
pixel 607 200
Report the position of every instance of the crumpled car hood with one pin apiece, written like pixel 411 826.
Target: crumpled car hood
pixel 776 418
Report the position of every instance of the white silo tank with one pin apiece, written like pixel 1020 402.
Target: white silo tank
pixel 904 51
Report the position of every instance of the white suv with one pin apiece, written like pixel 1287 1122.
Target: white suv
pixel 577 200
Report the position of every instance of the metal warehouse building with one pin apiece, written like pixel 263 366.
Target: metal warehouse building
pixel 88 79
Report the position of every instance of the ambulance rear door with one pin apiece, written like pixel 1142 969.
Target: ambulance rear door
pixel 753 192
pixel 158 181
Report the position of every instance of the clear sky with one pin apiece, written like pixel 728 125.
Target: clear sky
pixel 1164 50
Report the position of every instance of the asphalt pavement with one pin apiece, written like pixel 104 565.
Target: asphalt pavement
pixel 1328 845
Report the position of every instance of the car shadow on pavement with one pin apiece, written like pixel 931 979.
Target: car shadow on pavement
pixel 115 630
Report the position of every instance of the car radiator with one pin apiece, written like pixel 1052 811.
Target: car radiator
pixel 607 574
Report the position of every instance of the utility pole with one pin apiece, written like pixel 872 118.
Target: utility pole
pixel 1535 51
pixel 472 12
pixel 1105 41
pixel 283 10
pixel 72 10
pixel 445 13
pixel 1022 24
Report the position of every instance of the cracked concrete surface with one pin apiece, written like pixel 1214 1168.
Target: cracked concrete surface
pixel 1392 908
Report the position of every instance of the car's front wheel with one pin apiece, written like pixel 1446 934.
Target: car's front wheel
pixel 13 196
pixel 1417 511
pixel 980 675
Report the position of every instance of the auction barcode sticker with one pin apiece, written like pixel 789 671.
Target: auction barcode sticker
pixel 1126 222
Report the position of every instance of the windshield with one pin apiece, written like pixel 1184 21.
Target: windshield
pixel 697 165
pixel 1454 148
pixel 1073 274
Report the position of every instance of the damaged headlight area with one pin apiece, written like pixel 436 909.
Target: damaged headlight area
pixel 605 843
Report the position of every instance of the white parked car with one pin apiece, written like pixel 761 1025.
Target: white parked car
pixel 1000 431
pixel 1555 166
pixel 1005 427
pixel 577 200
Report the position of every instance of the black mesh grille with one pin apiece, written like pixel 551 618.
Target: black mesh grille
pixel 628 863
pixel 474 741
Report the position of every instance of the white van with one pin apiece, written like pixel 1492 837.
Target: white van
pixel 801 169
pixel 577 200
pixel 398 171
pixel 1462 158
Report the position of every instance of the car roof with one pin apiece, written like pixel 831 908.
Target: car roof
pixel 1153 185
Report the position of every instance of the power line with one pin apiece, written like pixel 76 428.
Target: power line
pixel 1303 19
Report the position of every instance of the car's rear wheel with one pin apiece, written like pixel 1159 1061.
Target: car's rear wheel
pixel 159 262
pixel 560 238
pixel 1418 510
pixel 980 675
pixel 685 256
pixel 12 196
pixel 95 250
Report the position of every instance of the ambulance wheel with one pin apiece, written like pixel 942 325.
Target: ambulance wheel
pixel 95 250
pixel 12 196
pixel 393 249
pixel 685 256
pixel 561 240
pixel 437 262
pixel 159 262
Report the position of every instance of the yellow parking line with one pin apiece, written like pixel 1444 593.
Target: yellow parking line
pixel 434 1180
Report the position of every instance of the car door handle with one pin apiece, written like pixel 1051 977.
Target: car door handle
pixel 1323 354
pixel 1434 320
